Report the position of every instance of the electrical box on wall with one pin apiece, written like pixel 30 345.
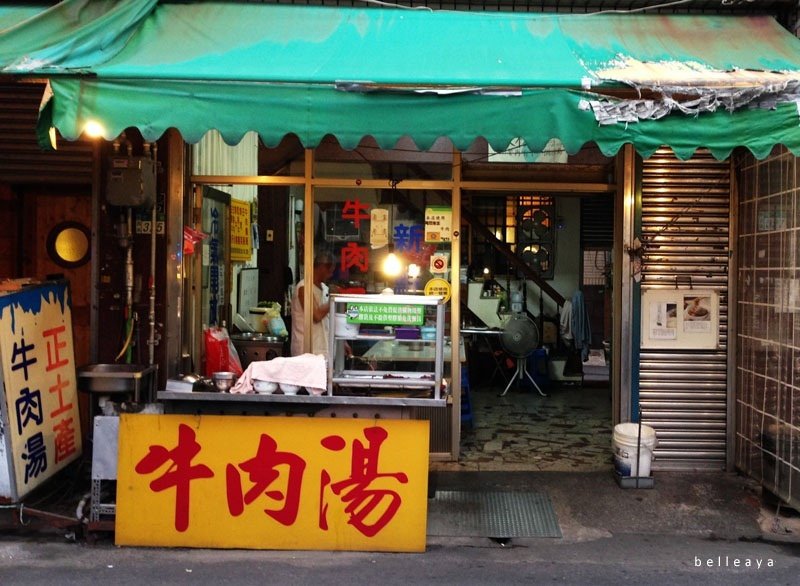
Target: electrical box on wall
pixel 131 182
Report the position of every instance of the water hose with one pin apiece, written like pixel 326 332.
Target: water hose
pixel 126 347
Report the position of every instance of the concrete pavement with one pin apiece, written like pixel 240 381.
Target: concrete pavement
pixel 709 528
pixel 590 505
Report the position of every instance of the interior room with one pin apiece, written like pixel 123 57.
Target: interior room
pixel 532 261
pixel 543 403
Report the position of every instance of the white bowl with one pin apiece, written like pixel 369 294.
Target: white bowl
pixel 316 392
pixel 289 389
pixel 266 387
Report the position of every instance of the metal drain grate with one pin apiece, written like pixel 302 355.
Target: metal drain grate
pixel 492 514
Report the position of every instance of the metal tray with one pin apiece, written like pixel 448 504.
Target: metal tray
pixel 114 378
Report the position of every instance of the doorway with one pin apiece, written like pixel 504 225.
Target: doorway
pixel 570 429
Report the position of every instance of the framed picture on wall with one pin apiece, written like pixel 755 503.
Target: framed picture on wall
pixel 680 318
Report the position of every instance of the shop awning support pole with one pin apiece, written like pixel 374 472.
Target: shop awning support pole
pixel 455 302
pixel 308 249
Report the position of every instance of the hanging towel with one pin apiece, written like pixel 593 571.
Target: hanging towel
pixel 581 331
pixel 565 325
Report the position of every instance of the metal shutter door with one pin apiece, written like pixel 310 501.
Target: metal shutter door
pixel 685 227
pixel 21 159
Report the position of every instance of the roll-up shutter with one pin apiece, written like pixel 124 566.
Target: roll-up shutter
pixel 597 222
pixel 685 229
pixel 22 161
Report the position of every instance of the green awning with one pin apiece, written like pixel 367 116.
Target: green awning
pixel 312 112
pixel 72 35
pixel 650 80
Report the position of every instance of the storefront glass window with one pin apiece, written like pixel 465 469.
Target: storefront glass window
pixel 384 239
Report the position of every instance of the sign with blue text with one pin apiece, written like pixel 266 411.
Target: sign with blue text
pixel 40 431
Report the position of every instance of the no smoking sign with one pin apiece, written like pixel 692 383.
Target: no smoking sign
pixel 438 263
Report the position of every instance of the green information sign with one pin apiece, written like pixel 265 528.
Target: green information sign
pixel 386 314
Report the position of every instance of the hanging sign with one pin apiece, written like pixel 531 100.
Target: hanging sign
pixel 378 227
pixel 438 224
pixel 39 425
pixel 438 287
pixel 241 244
pixel 272 482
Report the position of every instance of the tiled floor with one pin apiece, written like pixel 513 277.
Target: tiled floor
pixel 568 430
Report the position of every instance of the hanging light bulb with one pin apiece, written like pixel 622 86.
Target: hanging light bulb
pixel 413 271
pixel 392 267
pixel 94 129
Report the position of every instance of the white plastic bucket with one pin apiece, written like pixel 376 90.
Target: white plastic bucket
pixel 627 462
pixel 258 321
pixel 342 328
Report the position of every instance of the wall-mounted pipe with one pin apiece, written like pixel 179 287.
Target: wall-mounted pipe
pixel 151 313
pixel 126 347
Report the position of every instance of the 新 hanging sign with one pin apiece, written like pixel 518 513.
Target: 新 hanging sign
pixel 272 482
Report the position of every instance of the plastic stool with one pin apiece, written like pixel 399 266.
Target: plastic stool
pixel 466 403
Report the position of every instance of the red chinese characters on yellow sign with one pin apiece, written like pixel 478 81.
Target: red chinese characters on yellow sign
pixel 39 390
pixel 272 483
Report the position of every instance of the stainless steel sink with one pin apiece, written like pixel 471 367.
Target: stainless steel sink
pixel 116 378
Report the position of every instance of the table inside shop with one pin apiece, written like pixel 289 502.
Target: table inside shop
pixel 490 337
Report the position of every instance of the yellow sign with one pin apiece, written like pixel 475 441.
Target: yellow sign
pixel 439 287
pixel 40 411
pixel 272 482
pixel 241 247
pixel 438 224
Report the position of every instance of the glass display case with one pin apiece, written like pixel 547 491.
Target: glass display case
pixel 391 347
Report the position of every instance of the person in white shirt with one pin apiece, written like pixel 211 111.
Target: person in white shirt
pixel 323 270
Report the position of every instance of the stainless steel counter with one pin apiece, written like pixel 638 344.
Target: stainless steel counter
pixel 320 400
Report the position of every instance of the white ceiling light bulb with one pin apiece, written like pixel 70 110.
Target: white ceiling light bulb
pixel 392 267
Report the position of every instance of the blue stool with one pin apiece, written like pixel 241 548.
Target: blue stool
pixel 466 403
